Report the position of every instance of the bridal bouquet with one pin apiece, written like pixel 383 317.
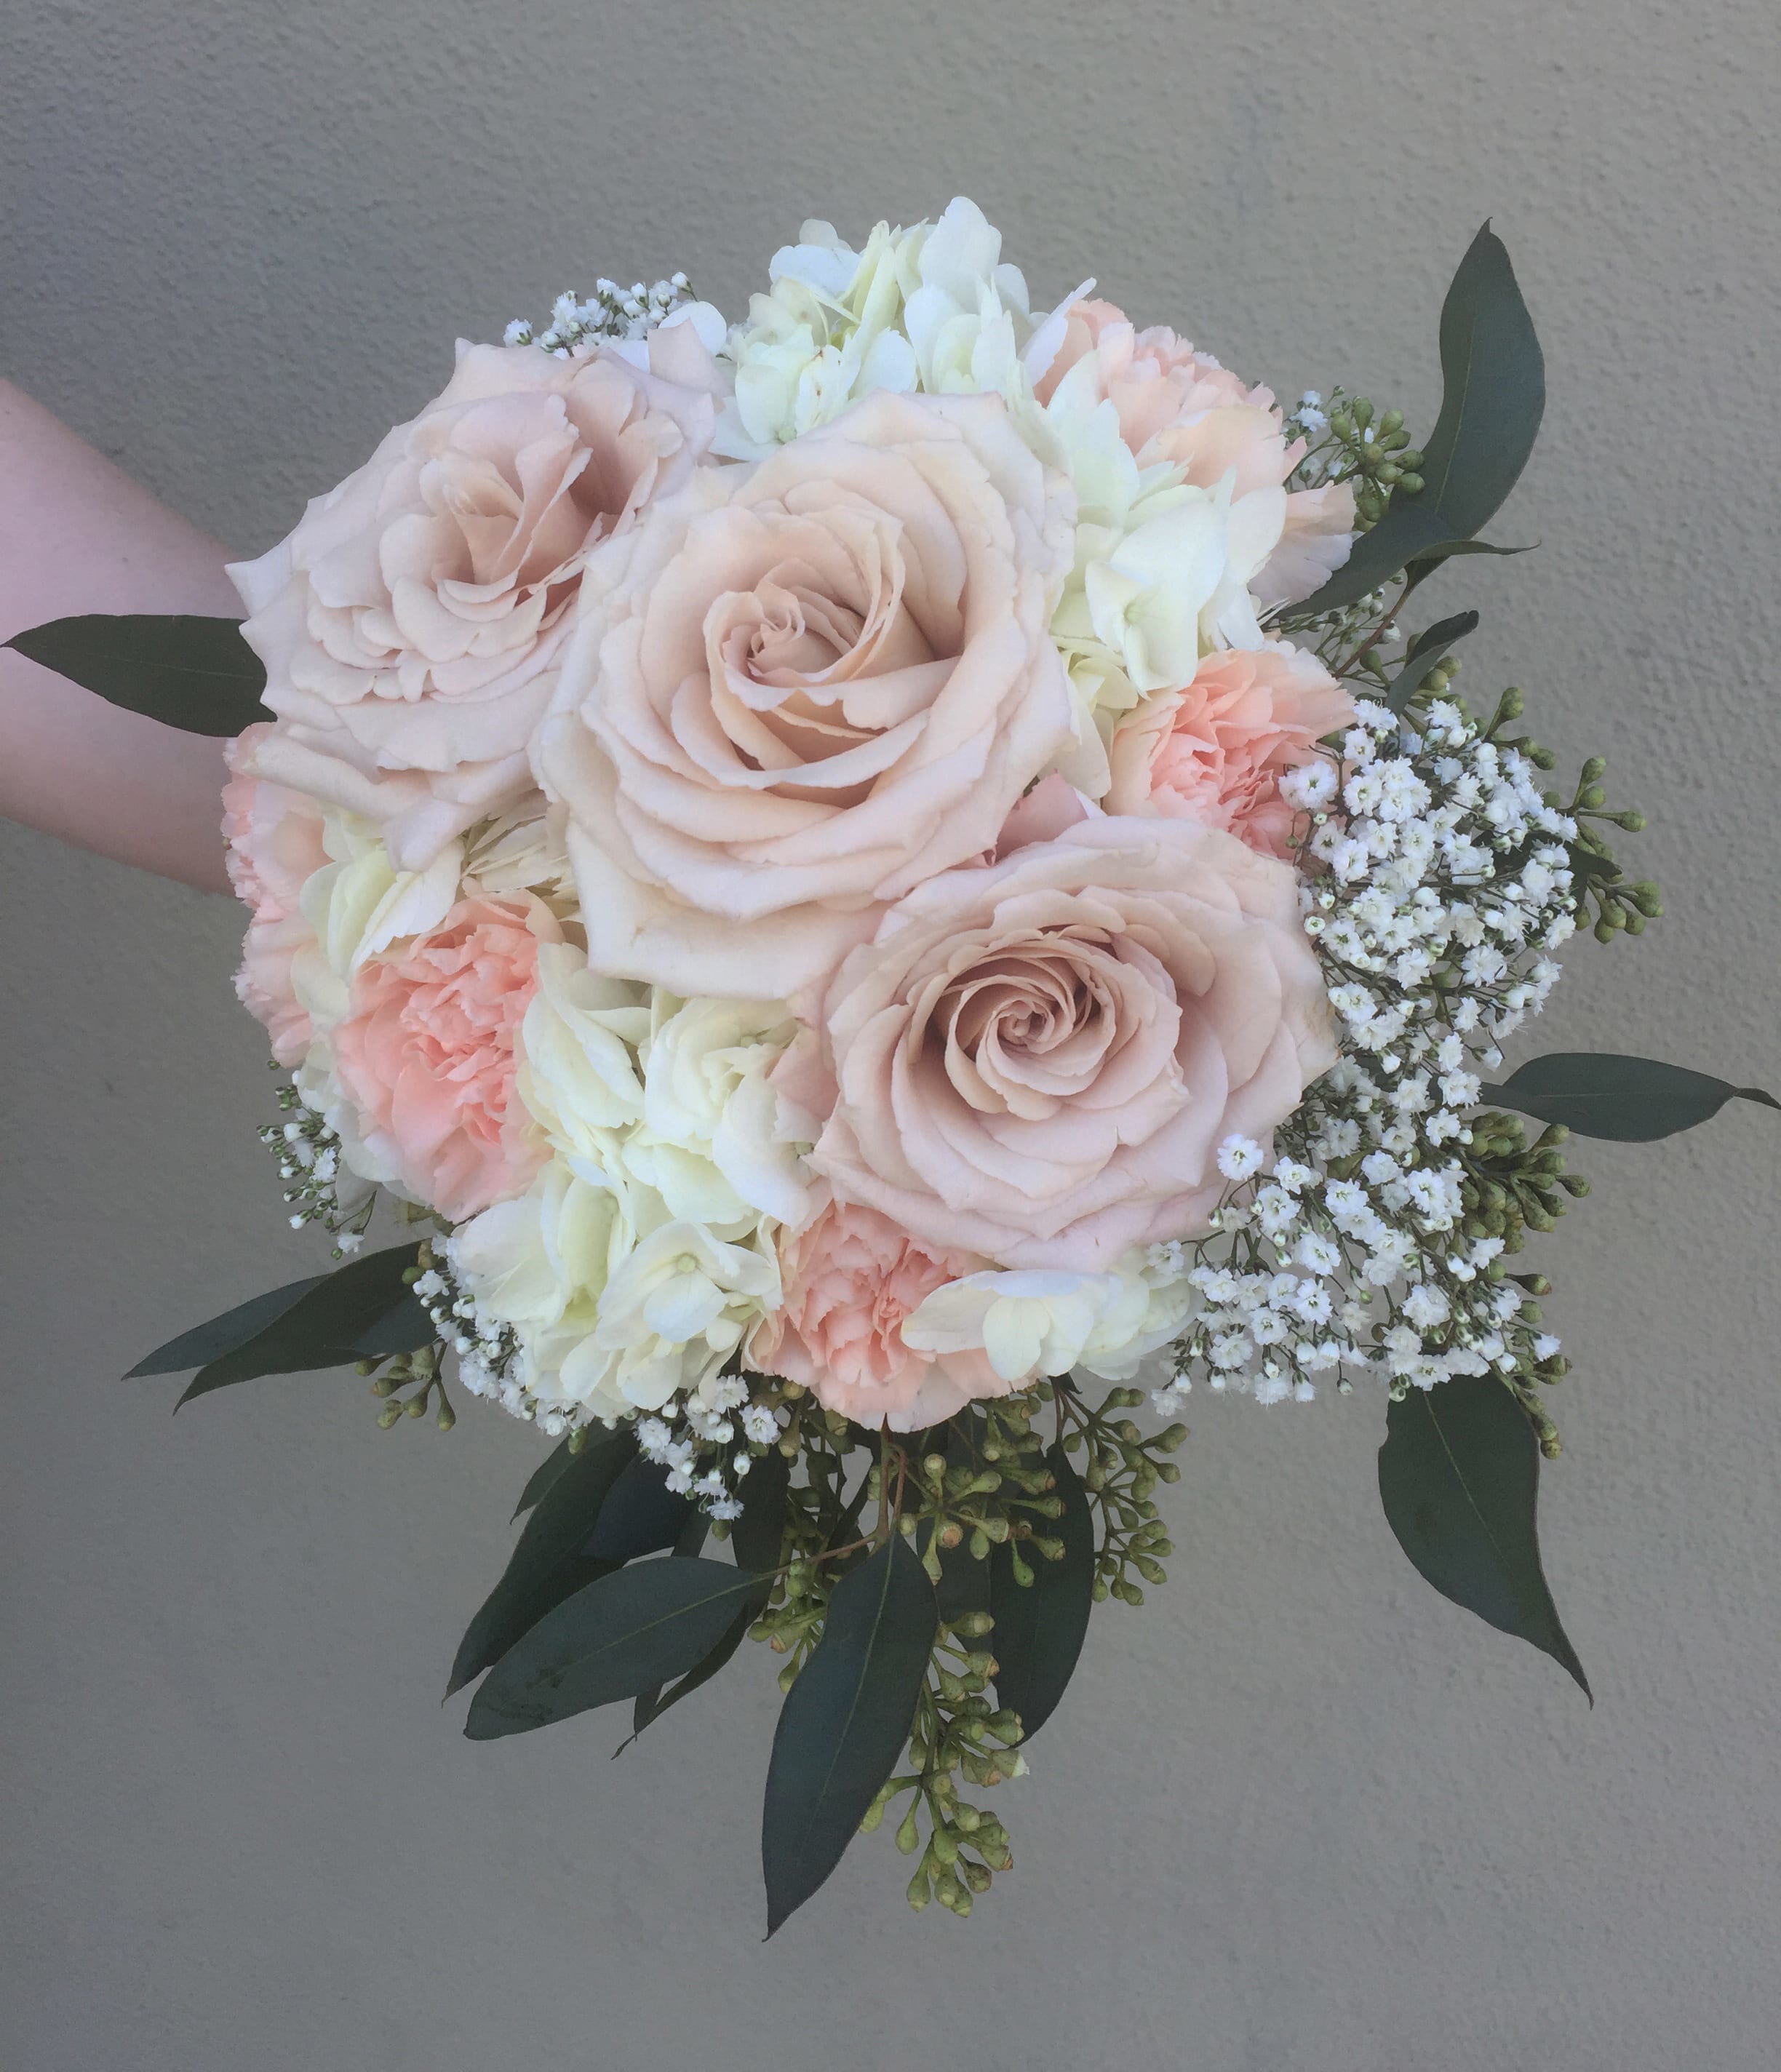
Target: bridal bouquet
pixel 877 890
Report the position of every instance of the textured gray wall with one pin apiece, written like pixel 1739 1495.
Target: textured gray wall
pixel 1300 1812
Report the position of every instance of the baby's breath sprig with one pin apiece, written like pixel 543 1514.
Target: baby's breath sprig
pixel 322 1189
pixel 611 312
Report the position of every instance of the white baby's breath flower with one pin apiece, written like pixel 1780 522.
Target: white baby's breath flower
pixel 1239 1156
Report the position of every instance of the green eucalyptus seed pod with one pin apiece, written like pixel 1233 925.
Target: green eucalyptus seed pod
pixel 1633 821
pixel 1594 770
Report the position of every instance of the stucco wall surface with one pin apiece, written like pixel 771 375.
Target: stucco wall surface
pixel 1298 1813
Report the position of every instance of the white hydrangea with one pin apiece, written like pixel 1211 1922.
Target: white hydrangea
pixel 933 308
pixel 677 1307
pixel 710 1141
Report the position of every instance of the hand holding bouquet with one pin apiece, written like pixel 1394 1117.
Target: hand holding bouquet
pixel 877 890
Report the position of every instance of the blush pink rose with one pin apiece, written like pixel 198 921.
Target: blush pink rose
pixel 1215 750
pixel 1037 1060
pixel 1181 406
pixel 274 845
pixel 428 1052
pixel 851 1277
pixel 410 626
pixel 800 688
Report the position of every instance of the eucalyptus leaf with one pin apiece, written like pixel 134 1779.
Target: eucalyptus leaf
pixel 550 1562
pixel 204 1342
pixel 403 1329
pixel 363 1308
pixel 621 1633
pixel 1040 1627
pixel 756 1537
pixel 757 1534
pixel 542 1476
pixel 640 1515
pixel 1493 396
pixel 1629 1100
pixel 196 674
pixel 1429 647
pixel 845 1722
pixel 1459 1475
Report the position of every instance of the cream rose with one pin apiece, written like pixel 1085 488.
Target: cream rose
pixel 411 624
pixel 798 691
pixel 1037 1060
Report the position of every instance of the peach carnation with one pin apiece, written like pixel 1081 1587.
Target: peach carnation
pixel 273 839
pixel 410 625
pixel 427 1056
pixel 851 1277
pixel 1180 406
pixel 1037 1060
pixel 799 689
pixel 1215 750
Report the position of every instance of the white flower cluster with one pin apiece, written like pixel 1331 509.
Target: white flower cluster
pixel 1440 882
pixel 611 312
pixel 710 1443
pixel 933 308
pixel 707 1439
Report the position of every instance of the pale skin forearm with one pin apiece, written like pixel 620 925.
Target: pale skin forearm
pixel 77 535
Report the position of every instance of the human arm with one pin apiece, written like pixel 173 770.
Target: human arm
pixel 77 535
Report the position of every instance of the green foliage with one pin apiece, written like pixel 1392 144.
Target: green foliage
pixel 547 1471
pixel 1510 1186
pixel 1425 654
pixel 1121 1472
pixel 1458 1476
pixel 845 1721
pixel 551 1560
pixel 196 674
pixel 1494 394
pixel 1041 1609
pixel 330 1321
pixel 640 1515
pixel 624 1633
pixel 1630 1100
